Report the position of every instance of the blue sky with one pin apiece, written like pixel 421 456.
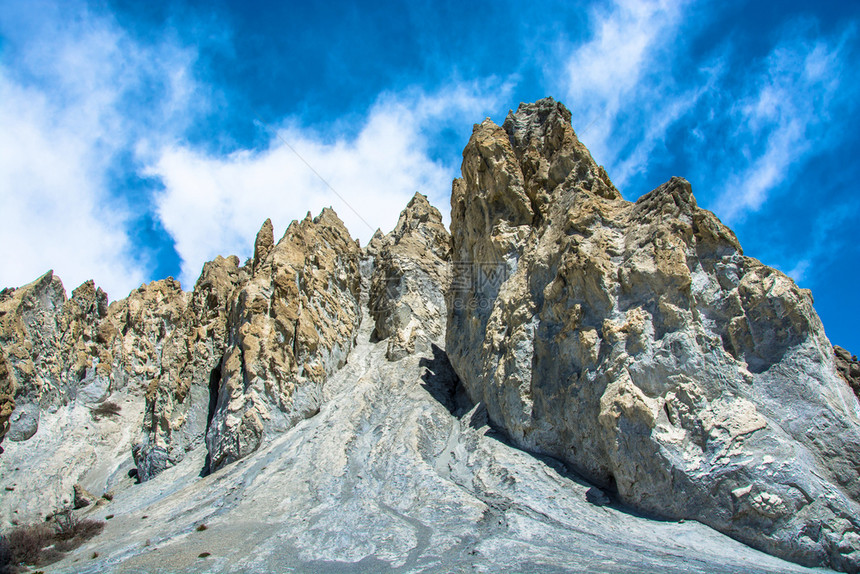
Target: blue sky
pixel 138 140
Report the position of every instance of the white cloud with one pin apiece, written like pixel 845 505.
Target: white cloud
pixel 52 217
pixel 781 122
pixel 77 92
pixel 767 117
pixel 604 71
pixel 214 205
pixel 80 94
pixel 619 84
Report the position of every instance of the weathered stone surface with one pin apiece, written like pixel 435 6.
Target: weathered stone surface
pixel 24 421
pixel 88 339
pixel 264 243
pixel 178 399
pixel 42 359
pixel 82 497
pixel 407 292
pixel 66 359
pixel 144 323
pixel 596 496
pixel 636 342
pixel 181 352
pixel 290 326
pixel 397 473
pixel 848 368
pixel 29 328
pixel 7 397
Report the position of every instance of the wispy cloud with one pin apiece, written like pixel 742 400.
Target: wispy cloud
pixel 213 204
pixel 619 83
pixel 76 92
pixel 781 121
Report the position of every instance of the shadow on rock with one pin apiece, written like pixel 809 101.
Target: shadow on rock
pixel 443 384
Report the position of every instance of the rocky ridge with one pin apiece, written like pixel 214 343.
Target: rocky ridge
pixel 631 342
pixel 243 354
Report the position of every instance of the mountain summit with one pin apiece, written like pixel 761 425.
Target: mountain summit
pixel 565 382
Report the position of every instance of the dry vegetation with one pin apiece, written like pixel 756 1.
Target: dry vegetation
pixel 40 544
pixel 105 409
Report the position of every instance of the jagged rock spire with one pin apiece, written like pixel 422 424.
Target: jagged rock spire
pixel 263 244
pixel 410 277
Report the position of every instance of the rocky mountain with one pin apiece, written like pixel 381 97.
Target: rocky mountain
pixel 565 382
pixel 637 343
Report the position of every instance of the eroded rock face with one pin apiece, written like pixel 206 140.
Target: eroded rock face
pixel 411 268
pixel 178 397
pixel 78 371
pixel 848 367
pixel 145 321
pixel 637 342
pixel 289 327
pixel 59 351
pixel 245 353
pixel 52 351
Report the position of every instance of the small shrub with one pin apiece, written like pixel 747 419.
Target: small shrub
pixel 109 516
pixel 108 495
pixel 204 555
pixel 95 555
pixel 39 544
pixel 89 529
pixel 5 556
pixel 50 555
pixel 201 528
pixel 65 523
pixel 105 409
pixel 71 531
pixel 24 545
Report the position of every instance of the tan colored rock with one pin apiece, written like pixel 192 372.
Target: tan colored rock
pixel 59 351
pixel 264 243
pixel 82 497
pixel 376 243
pixel 7 396
pixel 636 342
pixel 86 341
pixel 178 401
pixel 290 326
pixel 32 369
pixel 271 342
pixel 63 360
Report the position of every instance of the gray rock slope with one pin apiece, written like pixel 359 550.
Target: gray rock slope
pixel 636 342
